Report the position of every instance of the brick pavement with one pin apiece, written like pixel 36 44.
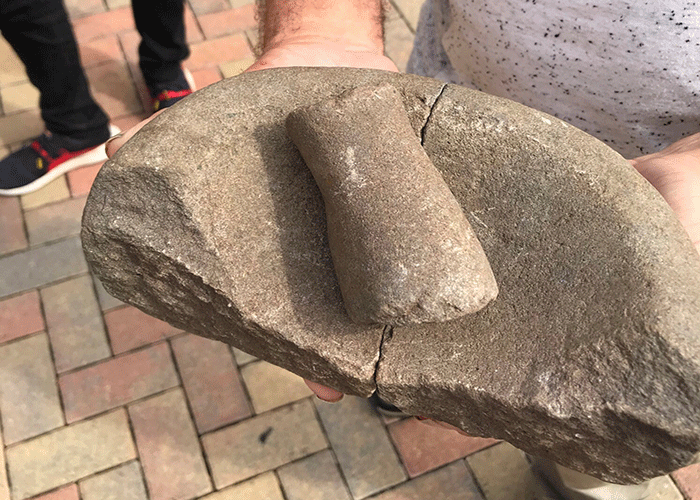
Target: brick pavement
pixel 101 402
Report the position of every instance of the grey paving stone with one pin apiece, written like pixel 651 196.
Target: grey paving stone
pixel 4 485
pixel 361 444
pixel 263 487
pixel 399 42
pixel 314 478
pixel 663 488
pixel 74 323
pixel 503 473
pixel 41 265
pixel 452 482
pixel 121 483
pixel 410 9
pixel 263 443
pixel 69 453
pixel 29 402
pixel 270 386
pixel 55 221
pixel 242 358
pixel 107 302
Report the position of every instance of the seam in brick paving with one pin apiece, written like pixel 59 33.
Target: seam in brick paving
pixel 190 412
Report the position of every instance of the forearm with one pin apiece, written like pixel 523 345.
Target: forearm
pixel 355 23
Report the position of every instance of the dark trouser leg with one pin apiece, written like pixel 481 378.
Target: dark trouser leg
pixel 41 34
pixel 161 24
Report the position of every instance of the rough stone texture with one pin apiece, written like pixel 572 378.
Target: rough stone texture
pixel 589 356
pixel 402 249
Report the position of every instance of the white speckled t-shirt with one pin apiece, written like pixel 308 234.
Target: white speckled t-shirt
pixel 628 72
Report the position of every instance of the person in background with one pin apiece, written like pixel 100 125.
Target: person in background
pixel 40 33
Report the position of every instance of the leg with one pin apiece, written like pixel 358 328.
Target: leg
pixel 161 24
pixel 41 34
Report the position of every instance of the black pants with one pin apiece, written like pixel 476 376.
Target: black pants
pixel 41 34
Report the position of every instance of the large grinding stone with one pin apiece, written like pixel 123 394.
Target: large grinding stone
pixel 208 219
pixel 402 248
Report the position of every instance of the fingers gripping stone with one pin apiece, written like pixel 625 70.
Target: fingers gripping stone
pixel 402 248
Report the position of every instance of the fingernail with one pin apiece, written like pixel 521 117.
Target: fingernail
pixel 117 136
pixel 330 400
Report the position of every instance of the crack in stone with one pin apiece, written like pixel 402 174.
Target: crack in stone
pixel 387 334
pixel 430 115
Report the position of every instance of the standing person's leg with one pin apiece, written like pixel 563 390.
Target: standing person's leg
pixel 161 24
pixel 41 34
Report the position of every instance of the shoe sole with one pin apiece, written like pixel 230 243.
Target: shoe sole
pixel 95 155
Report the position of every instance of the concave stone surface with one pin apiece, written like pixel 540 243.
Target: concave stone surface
pixel 403 250
pixel 590 355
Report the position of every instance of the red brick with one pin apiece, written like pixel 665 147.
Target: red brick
pixel 423 447
pixel 118 381
pixel 169 449
pixel 100 51
pixel 12 236
pixel 129 41
pixel 80 180
pixel 192 32
pixel 205 77
pixel 20 316
pixel 688 481
pixel 130 328
pixel 103 24
pixel 228 22
pixel 213 52
pixel 113 88
pixel 69 492
pixel 211 381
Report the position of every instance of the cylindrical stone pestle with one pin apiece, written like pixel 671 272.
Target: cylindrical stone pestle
pixel 402 249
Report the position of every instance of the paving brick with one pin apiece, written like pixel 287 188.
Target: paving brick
pixel 242 358
pixel 424 447
pixel 263 443
pixel 228 22
pixel 11 68
pixel 19 127
pixel 452 482
pixel 107 302
pixel 100 51
pixel 213 52
pixel 169 449
pixel 361 444
pixel 53 192
pixel 121 483
pixel 54 222
pixel 503 473
pixel 235 68
pixel 270 386
pixel 211 381
pixel 82 8
pixel 74 323
pixel 19 98
pixel 113 88
pixel 663 488
pixel 69 453
pixel 20 316
pixel 29 402
pixel 126 122
pixel 41 265
pixel 207 6
pixel 80 180
pixel 688 481
pixel 192 32
pixel 103 25
pixel 12 236
pixel 262 487
pixel 314 478
pixel 117 381
pixel 205 77
pixel 399 42
pixel 69 492
pixel 410 9
pixel 130 328
pixel 117 4
pixel 253 37
pixel 4 485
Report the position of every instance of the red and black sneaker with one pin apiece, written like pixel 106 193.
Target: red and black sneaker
pixel 46 158
pixel 164 95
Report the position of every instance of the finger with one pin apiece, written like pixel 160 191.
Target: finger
pixel 118 140
pixel 324 393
